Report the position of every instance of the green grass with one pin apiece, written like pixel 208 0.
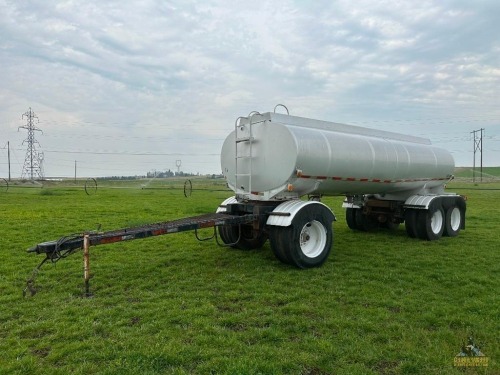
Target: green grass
pixel 382 304
pixel 489 173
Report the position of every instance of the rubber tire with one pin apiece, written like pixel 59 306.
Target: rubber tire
pixel 411 223
pixel 426 219
pixel 364 222
pixel 229 235
pixel 453 221
pixel 276 236
pixel 350 218
pixel 226 234
pixel 285 241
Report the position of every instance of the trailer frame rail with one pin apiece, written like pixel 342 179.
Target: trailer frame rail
pixel 58 249
pixel 74 242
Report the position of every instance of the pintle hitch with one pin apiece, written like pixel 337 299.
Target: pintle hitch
pixel 54 251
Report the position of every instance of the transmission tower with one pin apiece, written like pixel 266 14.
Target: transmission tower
pixel 478 145
pixel 32 162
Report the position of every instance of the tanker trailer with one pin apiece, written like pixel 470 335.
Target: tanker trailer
pixel 271 160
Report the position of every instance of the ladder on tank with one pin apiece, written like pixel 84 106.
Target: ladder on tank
pixel 244 140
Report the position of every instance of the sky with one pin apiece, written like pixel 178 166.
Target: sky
pixel 123 88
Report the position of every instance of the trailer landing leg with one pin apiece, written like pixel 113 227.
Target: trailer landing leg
pixel 86 264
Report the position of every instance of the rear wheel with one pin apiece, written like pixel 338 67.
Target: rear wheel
pixel 307 241
pixel 350 218
pixel 430 222
pixel 411 223
pixel 453 221
pixel 226 235
pixel 364 222
pixel 277 235
pixel 248 239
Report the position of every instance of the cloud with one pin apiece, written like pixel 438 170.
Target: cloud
pixel 125 72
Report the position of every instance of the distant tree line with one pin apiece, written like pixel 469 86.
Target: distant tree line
pixel 169 173
pixel 158 174
pixel 120 178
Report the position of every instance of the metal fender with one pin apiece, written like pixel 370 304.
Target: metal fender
pixel 346 204
pixel 222 207
pixel 423 202
pixel 282 215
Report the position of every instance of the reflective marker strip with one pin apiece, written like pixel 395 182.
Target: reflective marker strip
pixel 375 180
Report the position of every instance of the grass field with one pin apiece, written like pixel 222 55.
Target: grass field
pixel 489 173
pixel 382 304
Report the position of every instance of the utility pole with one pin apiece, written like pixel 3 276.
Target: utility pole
pixel 8 157
pixel 478 145
pixel 32 160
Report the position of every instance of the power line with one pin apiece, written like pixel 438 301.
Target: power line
pixel 8 156
pixel 130 153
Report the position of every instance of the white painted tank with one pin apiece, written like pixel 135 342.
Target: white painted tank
pixel 280 156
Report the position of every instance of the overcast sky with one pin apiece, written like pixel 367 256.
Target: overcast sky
pixel 127 87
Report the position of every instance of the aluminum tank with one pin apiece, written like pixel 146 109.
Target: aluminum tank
pixel 277 156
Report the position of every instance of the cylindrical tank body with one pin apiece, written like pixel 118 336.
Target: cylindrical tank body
pixel 279 156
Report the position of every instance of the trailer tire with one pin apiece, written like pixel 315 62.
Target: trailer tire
pixel 350 218
pixel 364 222
pixel 307 242
pixel 248 240
pixel 276 236
pixel 411 223
pixel 453 221
pixel 431 222
pixel 225 234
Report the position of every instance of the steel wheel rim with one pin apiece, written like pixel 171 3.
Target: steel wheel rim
pixel 437 222
pixel 455 219
pixel 312 239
